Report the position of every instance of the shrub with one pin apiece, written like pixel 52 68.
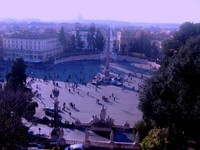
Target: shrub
pixel 155 140
pixel 142 128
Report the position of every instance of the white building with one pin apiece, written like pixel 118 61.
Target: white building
pixel 83 35
pixel 32 48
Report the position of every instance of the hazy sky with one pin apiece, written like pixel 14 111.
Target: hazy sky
pixel 157 11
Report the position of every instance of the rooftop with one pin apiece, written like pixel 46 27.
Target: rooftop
pixel 32 35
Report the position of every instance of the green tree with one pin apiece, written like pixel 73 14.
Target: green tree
pixel 186 30
pixel 171 98
pixel 91 39
pixel 100 41
pixel 17 77
pixel 79 42
pixel 155 140
pixel 20 95
pixel 62 37
pixel 154 53
pixel 15 105
pixel 73 42
pixel 141 44
pixel 146 44
pixel 142 128
pixel 134 46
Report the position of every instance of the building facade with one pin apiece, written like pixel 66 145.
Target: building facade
pixel 83 36
pixel 1 48
pixel 32 48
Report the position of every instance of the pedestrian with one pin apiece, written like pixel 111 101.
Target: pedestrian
pixel 63 106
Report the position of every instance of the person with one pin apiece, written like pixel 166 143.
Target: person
pixel 103 113
pixel 86 135
pixel 137 137
pixel 112 95
pixel 111 136
pixel 63 106
pixel 39 130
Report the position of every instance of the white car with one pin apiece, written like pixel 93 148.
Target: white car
pixel 75 147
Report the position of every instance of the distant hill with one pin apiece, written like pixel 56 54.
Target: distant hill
pixel 105 22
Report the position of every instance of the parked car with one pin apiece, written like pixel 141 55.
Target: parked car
pixel 50 112
pixel 75 147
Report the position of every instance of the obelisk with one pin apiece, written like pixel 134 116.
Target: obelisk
pixel 107 72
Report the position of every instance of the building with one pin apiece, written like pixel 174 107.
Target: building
pixel 1 48
pixel 32 47
pixel 83 36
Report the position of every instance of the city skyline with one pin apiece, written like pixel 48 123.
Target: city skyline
pixel 154 11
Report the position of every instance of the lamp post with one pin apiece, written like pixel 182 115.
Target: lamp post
pixel 55 94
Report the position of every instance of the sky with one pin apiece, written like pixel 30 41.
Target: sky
pixel 146 11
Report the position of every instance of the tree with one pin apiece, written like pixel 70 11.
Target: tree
pixel 17 77
pixel 133 46
pixel 145 44
pixel 91 38
pixel 142 128
pixel 79 42
pixel 154 53
pixel 155 140
pixel 141 44
pixel 15 103
pixel 171 98
pixel 62 37
pixel 100 41
pixel 73 42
